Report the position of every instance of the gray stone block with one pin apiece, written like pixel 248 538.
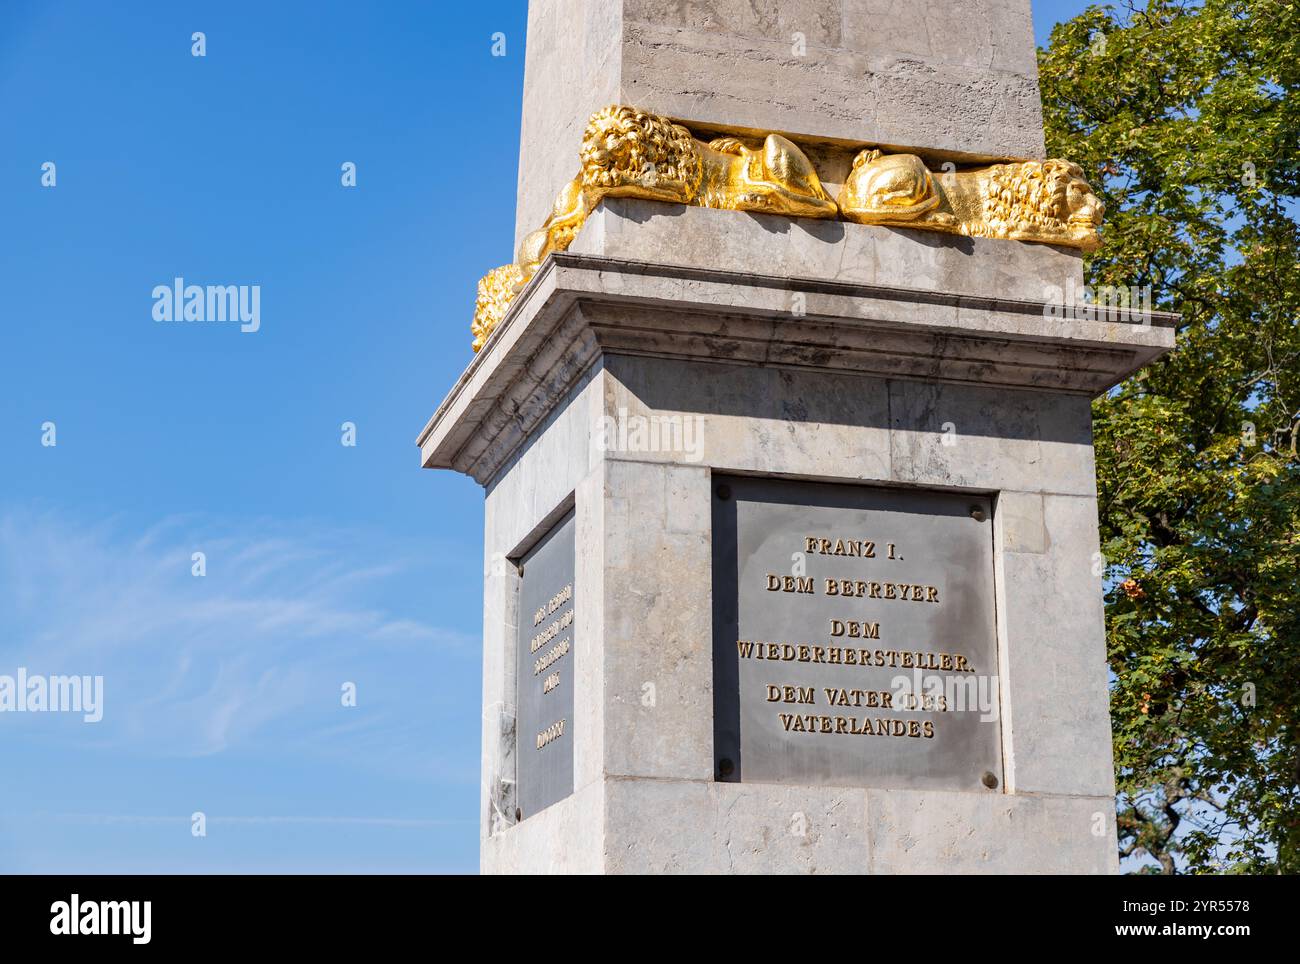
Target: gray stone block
pixel 695 827
pixel 580 308
pixel 1057 732
pixel 809 249
pixel 960 833
pixel 762 419
pixel 959 79
pixel 656 635
pixel 970 437
pixel 572 68
pixel 566 838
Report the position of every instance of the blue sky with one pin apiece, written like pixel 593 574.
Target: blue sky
pixel 326 564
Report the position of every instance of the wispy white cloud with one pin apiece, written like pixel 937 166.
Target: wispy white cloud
pixel 256 650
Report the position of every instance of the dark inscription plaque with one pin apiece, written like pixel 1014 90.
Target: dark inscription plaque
pixel 854 640
pixel 544 671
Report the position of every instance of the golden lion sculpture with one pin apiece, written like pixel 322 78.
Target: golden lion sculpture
pixel 626 152
pixel 629 153
pixel 1046 201
pixel 496 289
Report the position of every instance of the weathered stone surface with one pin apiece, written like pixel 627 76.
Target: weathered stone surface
pixel 572 68
pixel 959 78
pixel 500 622
pixel 1021 517
pixel 565 838
pixel 518 509
pixel 982 438
pixel 962 833
pixel 694 827
pixel 630 229
pixel 762 420
pixel 657 656
pixel 581 307
pixel 1052 622
pixel 697 827
pixel 589 662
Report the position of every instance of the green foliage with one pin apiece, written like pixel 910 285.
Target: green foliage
pixel 1186 121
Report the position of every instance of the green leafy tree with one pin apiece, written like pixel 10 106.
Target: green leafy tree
pixel 1186 121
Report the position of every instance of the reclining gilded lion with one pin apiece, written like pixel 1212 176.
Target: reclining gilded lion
pixel 629 153
pixel 1045 201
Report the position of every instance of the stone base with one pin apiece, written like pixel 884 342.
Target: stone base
pixel 701 827
pixel 878 383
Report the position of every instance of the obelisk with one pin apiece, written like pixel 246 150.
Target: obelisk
pixel 783 422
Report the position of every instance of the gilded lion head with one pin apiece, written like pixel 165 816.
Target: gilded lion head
pixel 624 146
pixel 1048 194
pixel 495 291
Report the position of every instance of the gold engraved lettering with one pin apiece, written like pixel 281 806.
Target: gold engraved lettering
pixel 855 629
pixel 556 652
pixel 828 655
pixel 856 726
pixel 792 694
pixel 856 588
pixel 551 733
pixel 551 631
pixel 790 584
pixel 555 602
pixel 849 548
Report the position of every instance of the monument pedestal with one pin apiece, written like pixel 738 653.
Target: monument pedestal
pixel 890 387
